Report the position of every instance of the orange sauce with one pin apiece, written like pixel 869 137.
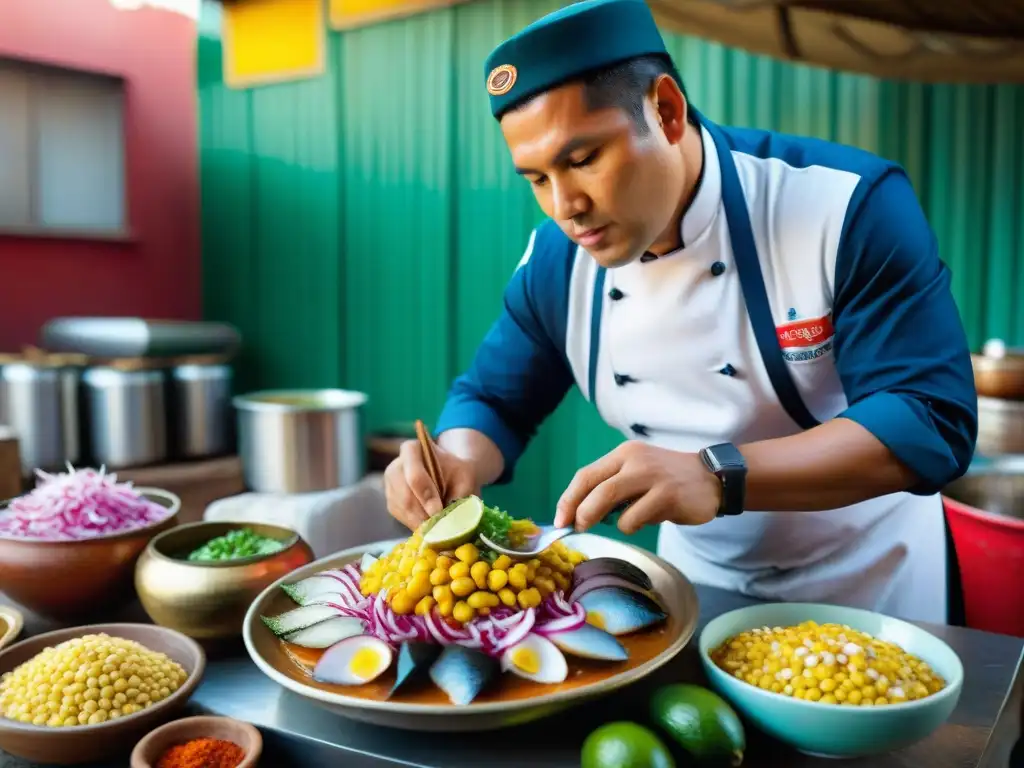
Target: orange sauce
pixel 641 646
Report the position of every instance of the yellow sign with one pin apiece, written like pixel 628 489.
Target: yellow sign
pixel 269 41
pixel 346 14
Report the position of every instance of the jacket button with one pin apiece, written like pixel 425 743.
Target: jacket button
pixel 717 268
pixel 639 429
pixel 648 257
pixel 727 370
pixel 624 378
pixel 615 294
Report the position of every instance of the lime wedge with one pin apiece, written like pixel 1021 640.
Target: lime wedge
pixel 456 525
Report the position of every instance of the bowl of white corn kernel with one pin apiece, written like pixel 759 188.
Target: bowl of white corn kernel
pixel 832 681
pixel 88 694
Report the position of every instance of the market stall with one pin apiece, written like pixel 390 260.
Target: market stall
pixel 621 639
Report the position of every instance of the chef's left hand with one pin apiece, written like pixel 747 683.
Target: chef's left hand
pixel 664 486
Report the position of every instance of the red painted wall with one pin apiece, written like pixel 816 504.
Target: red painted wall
pixel 156 273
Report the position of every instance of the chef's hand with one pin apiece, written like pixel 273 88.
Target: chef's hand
pixel 410 493
pixel 663 485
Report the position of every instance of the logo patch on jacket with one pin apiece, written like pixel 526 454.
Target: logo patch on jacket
pixel 803 340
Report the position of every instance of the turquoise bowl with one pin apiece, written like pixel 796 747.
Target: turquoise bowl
pixel 826 730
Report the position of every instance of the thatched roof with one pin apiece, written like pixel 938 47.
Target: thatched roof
pixel 926 40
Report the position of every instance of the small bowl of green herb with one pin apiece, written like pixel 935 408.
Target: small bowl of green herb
pixel 201 578
pixel 236 545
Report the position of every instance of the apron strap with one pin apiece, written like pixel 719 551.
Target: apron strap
pixel 595 333
pixel 752 283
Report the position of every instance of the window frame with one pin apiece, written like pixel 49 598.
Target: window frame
pixel 36 230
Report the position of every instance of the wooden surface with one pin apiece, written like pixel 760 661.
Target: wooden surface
pixel 981 732
pixel 198 483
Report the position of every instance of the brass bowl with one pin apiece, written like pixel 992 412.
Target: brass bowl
pixel 114 738
pixel 66 580
pixel 209 600
pixel 999 377
pixel 11 624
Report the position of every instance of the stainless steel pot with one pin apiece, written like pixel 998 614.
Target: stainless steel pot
pixel 301 441
pixel 201 410
pixel 126 416
pixel 1000 427
pixel 992 486
pixel 39 401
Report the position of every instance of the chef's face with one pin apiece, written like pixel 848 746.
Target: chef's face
pixel 612 187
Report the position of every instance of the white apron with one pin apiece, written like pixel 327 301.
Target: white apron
pixel 887 554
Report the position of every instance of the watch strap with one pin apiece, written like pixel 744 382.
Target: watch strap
pixel 725 461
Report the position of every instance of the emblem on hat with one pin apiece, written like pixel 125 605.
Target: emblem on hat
pixel 501 80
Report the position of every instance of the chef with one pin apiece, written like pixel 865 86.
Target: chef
pixel 764 317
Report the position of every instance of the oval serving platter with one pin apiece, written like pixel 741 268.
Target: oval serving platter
pixel 267 652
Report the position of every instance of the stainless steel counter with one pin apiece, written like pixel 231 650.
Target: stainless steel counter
pixel 981 732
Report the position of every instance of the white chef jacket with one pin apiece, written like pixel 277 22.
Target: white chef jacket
pixel 808 286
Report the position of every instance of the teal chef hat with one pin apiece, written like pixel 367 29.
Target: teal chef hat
pixel 566 44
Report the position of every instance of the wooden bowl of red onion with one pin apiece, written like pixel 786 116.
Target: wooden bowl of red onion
pixel 68 548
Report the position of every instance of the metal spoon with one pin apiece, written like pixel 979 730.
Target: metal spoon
pixel 546 536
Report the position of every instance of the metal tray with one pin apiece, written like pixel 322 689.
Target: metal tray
pixel 136 337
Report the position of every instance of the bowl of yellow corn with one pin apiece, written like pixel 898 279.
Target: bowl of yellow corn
pixel 88 694
pixel 832 681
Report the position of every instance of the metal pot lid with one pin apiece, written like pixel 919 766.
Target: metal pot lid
pixel 291 400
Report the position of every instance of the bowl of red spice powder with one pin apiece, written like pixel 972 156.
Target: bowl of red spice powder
pixel 200 742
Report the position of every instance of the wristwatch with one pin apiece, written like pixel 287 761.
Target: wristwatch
pixel 727 464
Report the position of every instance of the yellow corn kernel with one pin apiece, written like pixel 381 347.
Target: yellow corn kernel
pixel 419 587
pixel 446 607
pixel 468 553
pixel 444 562
pixel 529 598
pixel 463 586
pixel 439 576
pixel 501 563
pixel 507 597
pixel 424 606
pixel 496 580
pixel 482 599
pixel 575 558
pixel 854 697
pixel 403 603
pixel 562 581
pixel 430 556
pixel 406 565
pixel 459 570
pixel 463 613
pixel 421 566
pixel 478 572
pixel 370 586
pixel 517 577
pixel 443 592
pixel 545 584
pixel 391 580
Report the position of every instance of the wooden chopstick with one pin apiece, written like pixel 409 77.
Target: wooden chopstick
pixel 430 460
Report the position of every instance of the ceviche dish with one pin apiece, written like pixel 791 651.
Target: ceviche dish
pixel 443 618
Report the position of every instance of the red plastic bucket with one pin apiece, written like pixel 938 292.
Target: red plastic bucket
pixel 990 552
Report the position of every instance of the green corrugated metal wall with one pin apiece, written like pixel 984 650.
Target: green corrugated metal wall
pixel 359 228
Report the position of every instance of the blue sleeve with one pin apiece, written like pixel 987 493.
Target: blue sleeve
pixel 519 373
pixel 901 350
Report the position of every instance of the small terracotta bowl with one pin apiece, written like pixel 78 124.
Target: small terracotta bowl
pixel 97 743
pixel 148 751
